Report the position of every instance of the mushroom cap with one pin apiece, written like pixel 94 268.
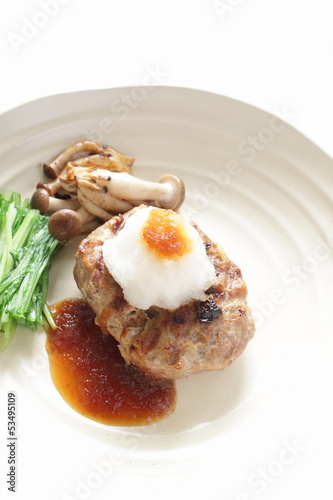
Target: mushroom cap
pixel 178 192
pixel 64 224
pixel 54 168
pixel 50 171
pixel 40 200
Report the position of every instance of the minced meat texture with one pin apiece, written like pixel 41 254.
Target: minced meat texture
pixel 197 336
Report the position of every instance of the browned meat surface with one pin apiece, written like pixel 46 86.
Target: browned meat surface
pixel 198 336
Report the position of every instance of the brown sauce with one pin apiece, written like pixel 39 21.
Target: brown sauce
pixel 92 377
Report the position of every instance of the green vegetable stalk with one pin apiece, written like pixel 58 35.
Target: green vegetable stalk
pixel 26 252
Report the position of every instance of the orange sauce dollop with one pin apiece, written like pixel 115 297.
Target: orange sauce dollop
pixel 92 377
pixel 164 234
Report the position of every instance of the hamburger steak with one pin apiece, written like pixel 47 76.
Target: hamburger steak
pixel 200 335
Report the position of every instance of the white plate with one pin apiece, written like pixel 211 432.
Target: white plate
pixel 262 427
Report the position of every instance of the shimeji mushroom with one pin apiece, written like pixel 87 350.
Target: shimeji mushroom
pixel 47 204
pixel 103 189
pixel 97 201
pixel 104 153
pixel 87 190
pixel 65 224
pixel 58 193
pixel 102 194
pixel 51 187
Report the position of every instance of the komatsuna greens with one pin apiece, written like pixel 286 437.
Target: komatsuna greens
pixel 26 252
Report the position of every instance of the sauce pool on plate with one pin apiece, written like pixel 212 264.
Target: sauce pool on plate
pixel 92 377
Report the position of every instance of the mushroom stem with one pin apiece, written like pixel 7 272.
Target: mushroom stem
pixel 90 226
pixel 98 195
pixel 47 204
pixel 65 224
pixel 168 192
pixel 92 208
pixel 51 187
pixel 54 168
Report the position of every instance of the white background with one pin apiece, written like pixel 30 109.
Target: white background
pixel 276 55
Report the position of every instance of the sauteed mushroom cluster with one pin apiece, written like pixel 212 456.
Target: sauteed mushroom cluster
pixel 92 182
